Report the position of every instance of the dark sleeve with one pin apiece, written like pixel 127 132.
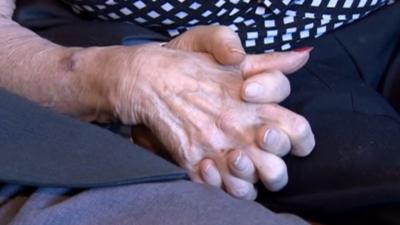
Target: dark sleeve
pixel 56 22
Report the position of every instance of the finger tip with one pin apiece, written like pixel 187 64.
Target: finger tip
pixel 277 176
pixel 298 59
pixel 251 195
pixel 303 152
pixel 278 183
pixel 244 191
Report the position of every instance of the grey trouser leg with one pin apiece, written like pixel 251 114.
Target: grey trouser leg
pixel 172 203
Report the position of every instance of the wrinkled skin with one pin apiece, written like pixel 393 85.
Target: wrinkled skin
pixel 225 47
pixel 193 105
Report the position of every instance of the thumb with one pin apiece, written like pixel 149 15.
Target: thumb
pixel 286 62
pixel 219 41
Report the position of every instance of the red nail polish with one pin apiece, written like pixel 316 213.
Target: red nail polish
pixel 303 49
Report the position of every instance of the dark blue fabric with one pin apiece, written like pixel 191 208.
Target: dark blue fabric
pixel 43 148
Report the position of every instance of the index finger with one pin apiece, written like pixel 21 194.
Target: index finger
pixel 286 62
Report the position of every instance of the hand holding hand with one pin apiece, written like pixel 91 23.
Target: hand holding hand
pixel 194 105
pixel 255 69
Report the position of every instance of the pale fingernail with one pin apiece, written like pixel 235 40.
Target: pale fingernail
pixel 271 137
pixel 254 90
pixel 238 163
pixel 236 50
pixel 207 170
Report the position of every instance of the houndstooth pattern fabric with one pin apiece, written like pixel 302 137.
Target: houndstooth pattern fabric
pixel 263 26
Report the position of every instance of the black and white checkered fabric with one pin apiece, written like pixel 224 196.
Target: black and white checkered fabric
pixel 263 26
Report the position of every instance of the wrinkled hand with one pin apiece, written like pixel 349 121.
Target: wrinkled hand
pixel 226 48
pixel 193 105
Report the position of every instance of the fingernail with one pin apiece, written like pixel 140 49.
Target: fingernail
pixel 254 90
pixel 303 49
pixel 238 162
pixel 207 169
pixel 271 137
pixel 236 50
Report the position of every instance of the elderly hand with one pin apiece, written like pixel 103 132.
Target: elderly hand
pixel 193 104
pixel 226 48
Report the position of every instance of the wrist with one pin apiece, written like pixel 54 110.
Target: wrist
pixel 90 71
pixel 108 76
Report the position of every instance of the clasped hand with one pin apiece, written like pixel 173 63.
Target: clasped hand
pixel 214 108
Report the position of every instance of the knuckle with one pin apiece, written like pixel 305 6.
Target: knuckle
pixel 300 128
pixel 226 122
pixel 305 149
pixel 188 156
pixel 222 30
pixel 224 36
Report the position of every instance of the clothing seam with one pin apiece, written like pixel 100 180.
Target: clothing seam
pixel 352 58
pixel 312 73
